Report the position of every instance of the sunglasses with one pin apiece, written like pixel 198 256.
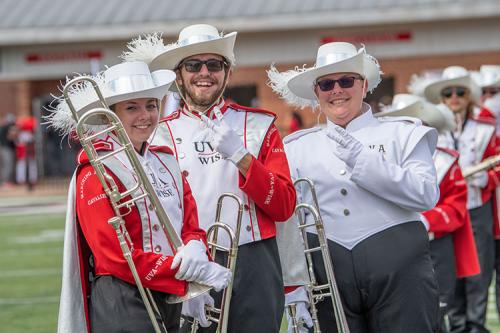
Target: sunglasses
pixel 194 65
pixel 448 92
pixel 491 91
pixel 344 82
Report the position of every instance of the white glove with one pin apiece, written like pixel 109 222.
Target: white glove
pixel 348 148
pixel 192 257
pixel 195 307
pixel 479 179
pixel 301 300
pixel 214 275
pixel 225 139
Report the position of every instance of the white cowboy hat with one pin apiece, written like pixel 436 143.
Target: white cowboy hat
pixel 196 39
pixel 452 76
pixel 122 82
pixel 489 76
pixel 297 86
pixel 439 117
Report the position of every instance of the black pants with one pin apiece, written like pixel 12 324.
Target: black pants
pixel 443 258
pixel 386 283
pixel 469 306
pixel 497 274
pixel 117 307
pixel 258 299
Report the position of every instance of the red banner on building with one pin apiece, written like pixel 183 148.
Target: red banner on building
pixel 376 37
pixel 62 56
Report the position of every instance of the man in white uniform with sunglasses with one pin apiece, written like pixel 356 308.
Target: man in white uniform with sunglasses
pixel 372 178
pixel 223 147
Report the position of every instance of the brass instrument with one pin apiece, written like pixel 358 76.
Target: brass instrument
pixel 115 196
pixel 221 316
pixel 316 291
pixel 488 163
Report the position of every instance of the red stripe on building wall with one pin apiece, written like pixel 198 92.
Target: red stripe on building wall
pixel 62 56
pixel 379 37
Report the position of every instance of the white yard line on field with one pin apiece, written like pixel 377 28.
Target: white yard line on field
pixel 32 210
pixel 31 252
pixel 44 236
pixel 28 301
pixel 28 272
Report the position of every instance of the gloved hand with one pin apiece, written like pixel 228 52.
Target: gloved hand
pixel 225 139
pixel 214 275
pixel 192 257
pixel 301 300
pixel 479 179
pixel 195 307
pixel 348 148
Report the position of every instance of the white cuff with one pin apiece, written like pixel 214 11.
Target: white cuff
pixel 298 295
pixel 238 155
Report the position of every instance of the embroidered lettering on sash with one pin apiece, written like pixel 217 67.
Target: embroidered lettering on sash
pixel 162 188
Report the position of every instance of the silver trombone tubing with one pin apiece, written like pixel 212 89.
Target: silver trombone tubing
pixel 316 291
pixel 220 316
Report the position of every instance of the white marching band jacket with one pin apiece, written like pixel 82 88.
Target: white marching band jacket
pixel 393 179
pixel 210 176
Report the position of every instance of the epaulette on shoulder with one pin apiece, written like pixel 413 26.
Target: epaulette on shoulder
pixel 172 116
pixel 238 107
pixel 485 119
pixel 485 113
pixel 297 135
pixel 161 149
pixel 82 157
pixel 452 152
pixel 403 119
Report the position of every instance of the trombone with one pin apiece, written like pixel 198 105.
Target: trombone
pixel 488 163
pixel 116 197
pixel 315 291
pixel 221 316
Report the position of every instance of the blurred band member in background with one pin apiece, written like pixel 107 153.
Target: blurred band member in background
pixel 453 249
pixel 475 140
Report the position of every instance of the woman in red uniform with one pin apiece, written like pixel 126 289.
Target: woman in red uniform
pixel 99 292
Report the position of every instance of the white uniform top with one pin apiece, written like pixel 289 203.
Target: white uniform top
pixel 471 144
pixel 393 178
pixel 168 190
pixel 209 175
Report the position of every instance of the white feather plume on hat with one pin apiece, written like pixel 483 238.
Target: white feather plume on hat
pixel 278 83
pixel 81 94
pixel 419 82
pixel 145 48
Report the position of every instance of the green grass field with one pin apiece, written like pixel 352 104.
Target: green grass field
pixel 30 274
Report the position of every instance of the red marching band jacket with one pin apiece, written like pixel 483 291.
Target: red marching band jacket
pixel 494 174
pixel 95 236
pixel 450 214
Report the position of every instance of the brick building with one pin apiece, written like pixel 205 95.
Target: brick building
pixel 42 42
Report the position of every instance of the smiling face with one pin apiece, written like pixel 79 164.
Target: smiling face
pixel 139 117
pixel 341 105
pixel 201 89
pixel 456 98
